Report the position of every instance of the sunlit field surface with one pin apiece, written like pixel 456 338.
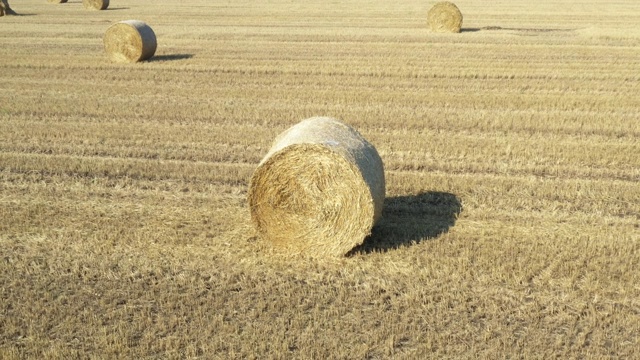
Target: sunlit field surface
pixel 511 152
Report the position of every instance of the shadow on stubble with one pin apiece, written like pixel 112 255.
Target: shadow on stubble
pixel 521 30
pixel 169 57
pixel 408 220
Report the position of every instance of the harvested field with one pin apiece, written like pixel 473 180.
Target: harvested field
pixel 511 154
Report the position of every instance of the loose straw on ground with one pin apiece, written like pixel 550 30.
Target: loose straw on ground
pixel 319 190
pixel 445 17
pixel 95 4
pixel 130 41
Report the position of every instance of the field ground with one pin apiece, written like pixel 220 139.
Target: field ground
pixel 511 150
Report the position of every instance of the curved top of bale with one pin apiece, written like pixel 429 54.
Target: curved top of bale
pixel 444 17
pixel 319 189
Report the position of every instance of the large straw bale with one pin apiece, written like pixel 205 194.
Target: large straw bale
pixel 57 1
pixel 130 41
pixel 95 4
pixel 445 17
pixel 319 190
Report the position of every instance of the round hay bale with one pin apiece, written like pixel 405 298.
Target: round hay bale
pixel 319 190
pixel 445 17
pixel 130 41
pixel 57 1
pixel 95 4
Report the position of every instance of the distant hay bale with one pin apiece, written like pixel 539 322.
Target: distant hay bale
pixel 319 190
pixel 445 17
pixel 95 4
pixel 130 41
pixel 57 1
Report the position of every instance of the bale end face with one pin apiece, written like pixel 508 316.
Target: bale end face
pixel 445 17
pixel 319 190
pixel 95 4
pixel 130 41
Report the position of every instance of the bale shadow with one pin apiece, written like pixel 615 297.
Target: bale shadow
pixel 170 57
pixel 118 8
pixel 11 12
pixel 484 28
pixel 529 30
pixel 408 220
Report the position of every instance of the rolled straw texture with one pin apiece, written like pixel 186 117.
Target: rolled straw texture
pixel 130 41
pixel 319 190
pixel 95 4
pixel 445 17
pixel 57 1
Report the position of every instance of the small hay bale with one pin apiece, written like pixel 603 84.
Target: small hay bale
pixel 95 4
pixel 319 190
pixel 130 41
pixel 445 17
pixel 57 1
